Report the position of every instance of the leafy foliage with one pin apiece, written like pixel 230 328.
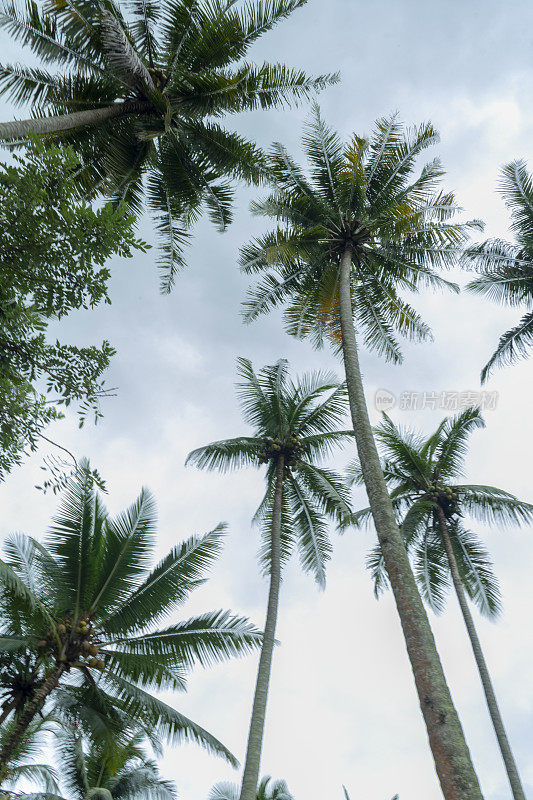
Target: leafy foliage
pixel 86 598
pixel 423 476
pixel 268 789
pixel 296 419
pixel 361 196
pixel 506 270
pixel 53 251
pixel 158 76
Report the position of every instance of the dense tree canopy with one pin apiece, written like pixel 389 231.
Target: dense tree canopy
pixel 139 92
pixel 53 253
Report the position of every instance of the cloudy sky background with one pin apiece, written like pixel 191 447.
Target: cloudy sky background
pixel 343 708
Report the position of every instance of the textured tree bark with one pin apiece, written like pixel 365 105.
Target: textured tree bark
pixel 6 711
pixel 453 763
pixel 490 696
pixel 252 763
pixel 18 129
pixel 32 708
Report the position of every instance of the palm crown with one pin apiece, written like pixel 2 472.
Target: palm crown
pixel 506 270
pixel 26 764
pixel 297 420
pixel 158 74
pixel 423 475
pixel 362 197
pixel 120 772
pixel 85 604
pixel 268 789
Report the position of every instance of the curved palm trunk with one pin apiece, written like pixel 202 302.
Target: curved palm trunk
pixel 18 129
pixel 32 708
pixel 252 763
pixel 454 766
pixel 490 696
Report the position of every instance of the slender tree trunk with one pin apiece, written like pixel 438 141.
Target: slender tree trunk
pixel 252 763
pixel 490 696
pixel 32 708
pixel 454 766
pixel 6 711
pixel 18 129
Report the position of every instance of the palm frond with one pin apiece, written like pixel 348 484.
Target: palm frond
pixel 169 584
pixel 513 345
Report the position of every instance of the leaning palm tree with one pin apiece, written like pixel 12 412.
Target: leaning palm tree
pixel 506 270
pixel 85 607
pixel 295 423
pixel 351 235
pixel 140 88
pixel 422 474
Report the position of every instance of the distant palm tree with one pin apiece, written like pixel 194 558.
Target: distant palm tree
pixel 295 423
pixel 360 229
pixel 267 790
pixel 139 89
pixel 24 764
pixel 120 770
pixel 84 606
pixel 422 474
pixel 506 270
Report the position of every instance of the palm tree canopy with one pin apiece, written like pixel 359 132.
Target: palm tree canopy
pixel 424 474
pixel 360 196
pixel 25 765
pixel 87 599
pixel 113 770
pixel 268 789
pixel 161 74
pixel 505 269
pixel 296 419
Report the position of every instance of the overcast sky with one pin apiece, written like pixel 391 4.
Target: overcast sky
pixel 342 708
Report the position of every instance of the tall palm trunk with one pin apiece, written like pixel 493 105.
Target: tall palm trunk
pixel 32 708
pixel 6 711
pixel 490 696
pixel 454 766
pixel 18 129
pixel 252 763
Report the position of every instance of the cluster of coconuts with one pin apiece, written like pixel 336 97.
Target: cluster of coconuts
pixel 272 448
pixel 445 495
pixel 78 638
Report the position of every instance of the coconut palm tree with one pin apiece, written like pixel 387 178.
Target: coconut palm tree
pixel 84 606
pixel 24 764
pixel 351 235
pixel 268 789
pixel 140 87
pixel 120 770
pixel 424 475
pixel 506 270
pixel 294 423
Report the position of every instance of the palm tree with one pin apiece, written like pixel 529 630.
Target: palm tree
pixel 268 789
pixel 140 87
pixel 360 228
pixel 120 771
pixel 23 764
pixel 422 474
pixel 295 423
pixel 506 270
pixel 84 606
